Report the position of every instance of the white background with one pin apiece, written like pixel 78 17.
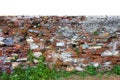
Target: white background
pixel 59 7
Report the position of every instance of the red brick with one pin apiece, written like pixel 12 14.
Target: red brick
pixel 1 53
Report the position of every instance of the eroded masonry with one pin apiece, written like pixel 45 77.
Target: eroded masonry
pixel 67 42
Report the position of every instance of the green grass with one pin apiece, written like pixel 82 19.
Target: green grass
pixel 42 72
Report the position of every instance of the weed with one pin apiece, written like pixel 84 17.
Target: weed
pixel 77 51
pixel 116 69
pixel 30 55
pixel 91 70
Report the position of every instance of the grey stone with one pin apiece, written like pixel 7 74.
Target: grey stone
pixel 79 68
pixel 8 41
pixel 37 54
